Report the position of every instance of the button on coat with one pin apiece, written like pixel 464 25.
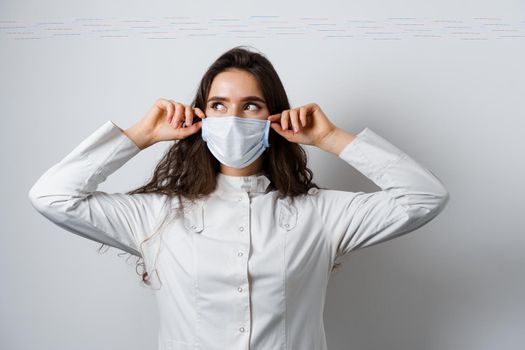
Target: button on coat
pixel 240 269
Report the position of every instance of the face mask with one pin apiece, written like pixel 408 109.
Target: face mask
pixel 234 141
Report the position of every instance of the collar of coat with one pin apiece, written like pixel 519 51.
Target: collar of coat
pixel 257 183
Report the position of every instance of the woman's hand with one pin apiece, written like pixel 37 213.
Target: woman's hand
pixel 164 122
pixel 311 127
pixel 309 123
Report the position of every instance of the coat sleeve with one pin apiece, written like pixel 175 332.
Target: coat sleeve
pixel 67 195
pixel 410 196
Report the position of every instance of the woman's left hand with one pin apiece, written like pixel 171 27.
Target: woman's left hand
pixel 309 121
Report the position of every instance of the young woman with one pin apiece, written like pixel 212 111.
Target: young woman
pixel 231 225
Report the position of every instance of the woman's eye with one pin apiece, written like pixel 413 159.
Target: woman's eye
pixel 213 105
pixel 253 104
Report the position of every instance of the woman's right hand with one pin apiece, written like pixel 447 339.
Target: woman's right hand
pixel 164 123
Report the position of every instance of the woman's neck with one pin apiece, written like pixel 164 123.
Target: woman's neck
pixel 254 168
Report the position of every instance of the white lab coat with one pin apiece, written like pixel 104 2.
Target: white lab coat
pixel 240 269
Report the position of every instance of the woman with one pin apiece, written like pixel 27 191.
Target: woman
pixel 231 224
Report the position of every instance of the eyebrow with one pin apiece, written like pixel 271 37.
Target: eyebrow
pixel 247 98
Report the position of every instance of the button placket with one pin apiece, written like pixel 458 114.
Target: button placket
pixel 244 218
pixel 242 289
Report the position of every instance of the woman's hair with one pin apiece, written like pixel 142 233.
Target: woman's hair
pixel 188 169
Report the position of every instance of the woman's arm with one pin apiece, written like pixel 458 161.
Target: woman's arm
pixel 67 195
pixel 410 196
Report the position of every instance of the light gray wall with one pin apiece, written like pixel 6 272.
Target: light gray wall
pixel 450 97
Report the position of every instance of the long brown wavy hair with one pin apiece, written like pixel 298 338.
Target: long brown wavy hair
pixel 188 169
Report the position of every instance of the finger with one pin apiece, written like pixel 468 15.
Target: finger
pixel 302 116
pixel 311 108
pixel 189 115
pixel 287 134
pixel 285 119
pixel 294 116
pixel 199 113
pixel 168 107
pixel 277 128
pixel 179 112
pixel 190 130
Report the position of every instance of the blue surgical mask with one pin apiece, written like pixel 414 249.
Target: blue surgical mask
pixel 234 141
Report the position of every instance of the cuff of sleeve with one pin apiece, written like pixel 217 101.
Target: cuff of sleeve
pixel 370 153
pixel 108 148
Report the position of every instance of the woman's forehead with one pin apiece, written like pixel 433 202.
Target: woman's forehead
pixel 236 85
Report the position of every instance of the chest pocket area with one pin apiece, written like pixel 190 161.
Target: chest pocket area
pixel 287 214
pixel 194 217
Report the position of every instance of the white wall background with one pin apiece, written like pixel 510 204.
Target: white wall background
pixel 442 80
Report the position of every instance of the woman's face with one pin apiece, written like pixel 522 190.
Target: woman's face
pixel 236 92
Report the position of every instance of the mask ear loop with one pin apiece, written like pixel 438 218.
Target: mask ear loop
pixel 267 134
pixel 204 128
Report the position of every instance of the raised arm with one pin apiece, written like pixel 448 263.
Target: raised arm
pixel 67 193
pixel 410 196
